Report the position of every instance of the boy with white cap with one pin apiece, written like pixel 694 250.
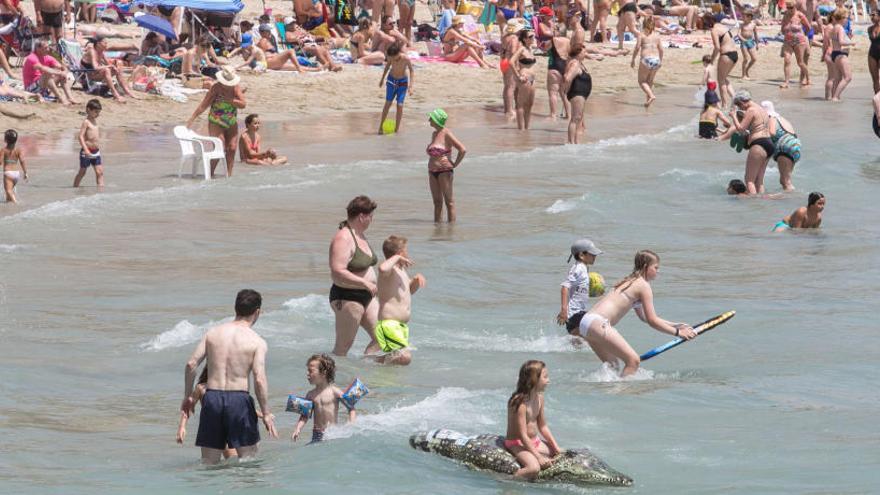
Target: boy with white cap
pixel 575 292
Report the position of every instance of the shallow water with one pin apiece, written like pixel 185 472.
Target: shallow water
pixel 102 297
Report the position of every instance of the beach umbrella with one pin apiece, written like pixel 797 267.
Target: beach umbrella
pixel 157 24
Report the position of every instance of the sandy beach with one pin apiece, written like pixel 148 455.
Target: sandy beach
pixel 280 96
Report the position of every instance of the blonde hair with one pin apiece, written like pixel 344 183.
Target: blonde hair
pixel 642 261
pixel 393 245
pixel 840 14
pixel 648 25
pixel 529 376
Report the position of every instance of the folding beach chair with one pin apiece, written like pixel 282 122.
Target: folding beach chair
pixel 72 54
pixel 19 36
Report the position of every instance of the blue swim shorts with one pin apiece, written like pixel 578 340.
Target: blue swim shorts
pixel 396 89
pixel 227 418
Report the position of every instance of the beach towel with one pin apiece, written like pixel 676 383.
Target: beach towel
pixel 487 17
pixel 437 60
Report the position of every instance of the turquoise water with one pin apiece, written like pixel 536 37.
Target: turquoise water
pixel 102 297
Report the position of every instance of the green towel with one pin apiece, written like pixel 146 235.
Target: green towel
pixel 487 17
pixel 737 142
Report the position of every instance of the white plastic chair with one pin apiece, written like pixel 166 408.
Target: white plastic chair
pixel 192 148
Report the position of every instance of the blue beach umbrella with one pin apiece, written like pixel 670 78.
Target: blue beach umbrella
pixel 157 24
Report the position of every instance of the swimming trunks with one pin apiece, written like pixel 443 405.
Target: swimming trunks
pixel 361 296
pixel 508 13
pixel 653 63
pixel 749 43
pixel 838 53
pixel 228 417
pixel 392 335
pixel 708 130
pixel 587 322
pixel 733 56
pixel 223 114
pixel 396 89
pixel 780 224
pixel 787 144
pixel 53 19
pixel 574 321
pixel 581 85
pixel 765 143
pixel 508 444
pixel 90 159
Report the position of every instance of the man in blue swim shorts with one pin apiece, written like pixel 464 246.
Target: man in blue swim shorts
pixel 233 351
pixel 397 86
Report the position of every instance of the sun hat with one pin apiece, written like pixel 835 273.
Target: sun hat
pixel 511 28
pixel 227 76
pixel 247 39
pixel 438 116
pixel 711 97
pixel 771 110
pixel 289 20
pixel 457 20
pixel 545 11
pixel 584 246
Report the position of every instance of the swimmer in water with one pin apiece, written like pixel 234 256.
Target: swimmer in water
pixel 326 396
pixel 633 292
pixel 805 217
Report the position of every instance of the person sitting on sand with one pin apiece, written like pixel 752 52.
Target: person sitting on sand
pixel 387 34
pixel 311 46
pixel 361 43
pixel 395 302
pixel 249 145
pixel 633 292
pixel 42 73
pixel 458 46
pixel 99 69
pixel 805 217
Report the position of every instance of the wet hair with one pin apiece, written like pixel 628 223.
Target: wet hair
pixel 250 119
pixel 839 14
pixel 648 25
pixel 357 206
pixel 93 104
pixel 707 59
pixel 11 137
pixel 642 261
pixel 529 376
pixel 737 186
pixel 393 49
pixel 365 23
pixel 393 245
pixel 326 366
pixel 247 302
pixel 814 197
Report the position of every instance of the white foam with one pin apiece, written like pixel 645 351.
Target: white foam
pixel 294 185
pixel 450 407
pixel 182 334
pixel 10 248
pixel 563 205
pixel 684 172
pixel 503 342
pixel 310 305
pixel 606 374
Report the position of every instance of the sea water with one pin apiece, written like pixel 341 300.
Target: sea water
pixel 103 296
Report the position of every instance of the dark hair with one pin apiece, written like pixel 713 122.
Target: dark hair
pixel 365 23
pixel 93 104
pixel 523 34
pixel 737 185
pixel 393 49
pixel 247 302
pixel 529 375
pixel 393 245
pixel 182 38
pixel 708 21
pixel 386 18
pixel 11 137
pixel 151 35
pixel 326 366
pixel 707 59
pixel 250 119
pixel 575 50
pixel 814 197
pixel 358 205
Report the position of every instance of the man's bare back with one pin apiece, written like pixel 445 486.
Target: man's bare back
pixel 230 349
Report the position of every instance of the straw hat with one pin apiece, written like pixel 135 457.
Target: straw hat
pixel 227 76
pixel 457 20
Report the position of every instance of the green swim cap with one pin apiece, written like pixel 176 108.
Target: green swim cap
pixel 438 116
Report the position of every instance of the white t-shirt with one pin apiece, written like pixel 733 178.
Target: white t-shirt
pixel 578 283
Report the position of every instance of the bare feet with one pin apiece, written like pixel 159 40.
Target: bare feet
pixel 650 100
pixel 783 85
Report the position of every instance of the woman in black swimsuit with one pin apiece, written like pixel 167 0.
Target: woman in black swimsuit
pixel 578 86
pixel 522 63
pixel 874 51
pixel 354 280
pixel 756 122
pixel 626 20
pixel 726 51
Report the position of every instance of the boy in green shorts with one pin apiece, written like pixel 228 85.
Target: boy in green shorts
pixel 395 302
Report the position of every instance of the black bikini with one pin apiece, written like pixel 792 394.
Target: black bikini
pixel 874 51
pixel 733 56
pixel 528 62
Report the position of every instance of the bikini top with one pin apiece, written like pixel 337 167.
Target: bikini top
pixel 527 61
pixel 437 151
pixel 360 261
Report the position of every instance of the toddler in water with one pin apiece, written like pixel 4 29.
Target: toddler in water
pixel 321 372
pixel 89 153
pixel 11 156
pixel 395 301
pixel 398 86
pixel 575 292
pixel 249 145
pixel 525 420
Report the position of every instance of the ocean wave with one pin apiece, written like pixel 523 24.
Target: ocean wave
pixel 10 248
pixel 292 185
pixel 503 343
pixel 183 333
pixel 450 407
pixel 606 374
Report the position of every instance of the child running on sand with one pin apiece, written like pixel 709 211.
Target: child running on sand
pixel 197 394
pixel 90 153
pixel 525 420
pixel 805 217
pixel 398 85
pixel 11 155
pixel 321 372
pixel 249 145
pixel 748 42
pixel 395 301
pixel 575 292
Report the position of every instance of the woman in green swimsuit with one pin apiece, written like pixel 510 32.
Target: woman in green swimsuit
pixel 354 279
pixel 224 100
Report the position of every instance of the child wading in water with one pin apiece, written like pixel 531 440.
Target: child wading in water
pixel 11 156
pixel 395 301
pixel 90 152
pixel 575 292
pixel 805 217
pixel 398 85
pixel 321 372
pixel 249 145
pixel 525 419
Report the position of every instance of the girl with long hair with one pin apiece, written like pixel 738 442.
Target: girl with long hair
pixel 525 420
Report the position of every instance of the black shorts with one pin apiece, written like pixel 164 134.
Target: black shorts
pixel 574 322
pixel 52 19
pixel 227 418
pixel 361 296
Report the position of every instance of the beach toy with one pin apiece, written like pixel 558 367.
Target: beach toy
pixel 388 126
pixel 354 393
pixel 737 141
pixel 597 284
pixel 699 329
pixel 298 405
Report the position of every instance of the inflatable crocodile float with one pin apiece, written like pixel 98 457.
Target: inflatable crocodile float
pixel 575 466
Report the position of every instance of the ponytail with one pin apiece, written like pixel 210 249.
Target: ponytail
pixel 643 260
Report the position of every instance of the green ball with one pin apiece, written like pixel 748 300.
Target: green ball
pixel 388 126
pixel 597 285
